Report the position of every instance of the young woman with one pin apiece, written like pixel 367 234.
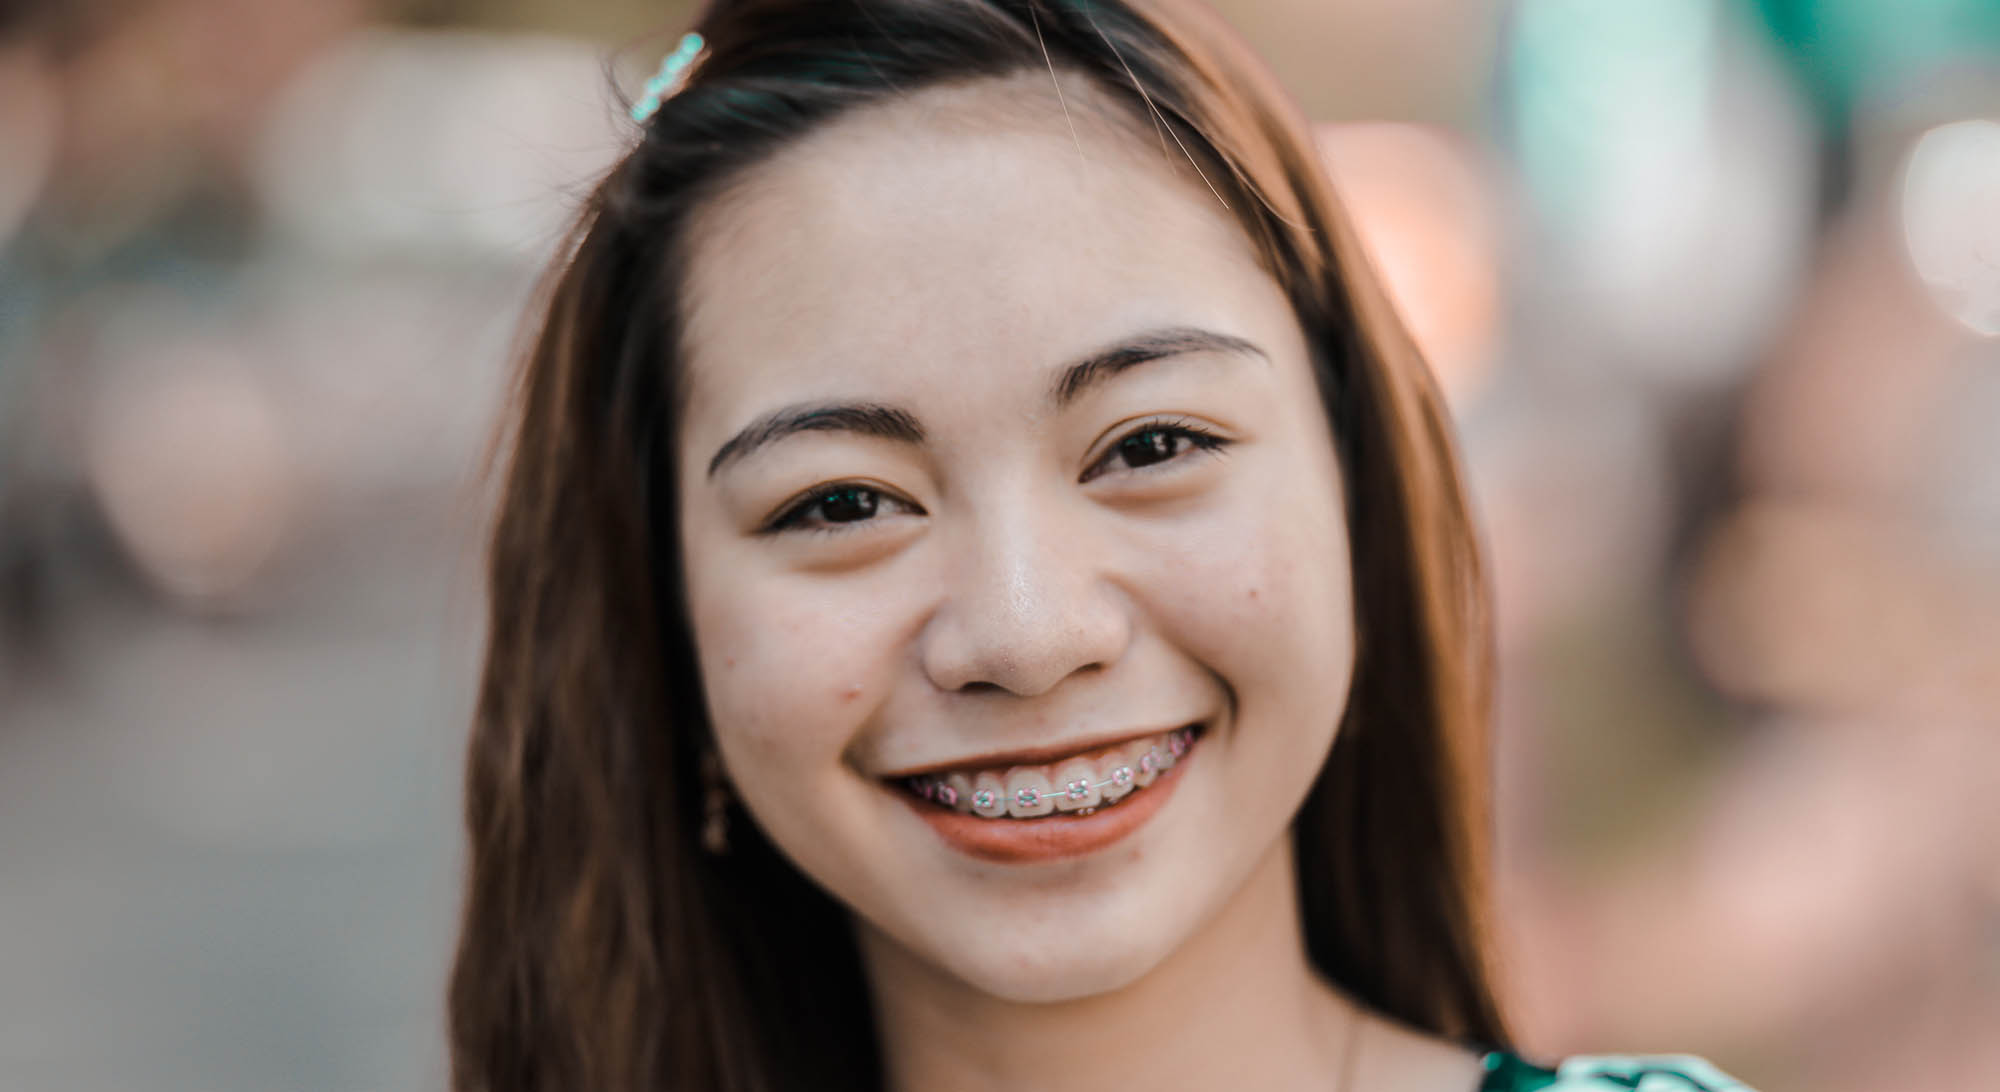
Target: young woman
pixel 983 596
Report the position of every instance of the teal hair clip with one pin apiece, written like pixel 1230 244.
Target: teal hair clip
pixel 667 80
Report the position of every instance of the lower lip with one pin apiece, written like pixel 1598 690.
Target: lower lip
pixel 1051 837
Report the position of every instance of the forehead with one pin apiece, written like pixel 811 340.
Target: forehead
pixel 982 232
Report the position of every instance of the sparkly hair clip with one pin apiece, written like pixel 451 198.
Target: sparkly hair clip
pixel 668 79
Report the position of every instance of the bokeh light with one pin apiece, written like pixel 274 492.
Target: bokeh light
pixel 193 469
pixel 1951 219
pixel 1423 206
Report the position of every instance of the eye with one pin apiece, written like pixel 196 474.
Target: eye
pixel 1156 442
pixel 837 507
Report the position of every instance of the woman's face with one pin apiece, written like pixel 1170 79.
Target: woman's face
pixel 1002 460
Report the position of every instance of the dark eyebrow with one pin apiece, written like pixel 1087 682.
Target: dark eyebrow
pixel 868 419
pixel 1152 345
pixel 891 423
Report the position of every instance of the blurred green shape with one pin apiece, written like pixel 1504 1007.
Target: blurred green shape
pixel 1586 78
pixel 1846 51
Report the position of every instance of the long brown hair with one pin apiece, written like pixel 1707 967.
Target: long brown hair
pixel 600 947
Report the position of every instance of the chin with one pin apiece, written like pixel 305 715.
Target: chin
pixel 1058 968
pixel 1062 950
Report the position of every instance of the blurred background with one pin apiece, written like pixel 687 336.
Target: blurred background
pixel 1713 285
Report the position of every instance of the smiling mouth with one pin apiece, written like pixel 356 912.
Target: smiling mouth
pixel 1078 785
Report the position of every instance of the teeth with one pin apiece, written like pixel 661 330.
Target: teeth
pixel 989 795
pixel 1119 780
pixel 1145 765
pixel 1078 786
pixel 1028 793
pixel 960 796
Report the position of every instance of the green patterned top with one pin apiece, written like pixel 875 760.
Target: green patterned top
pixel 1508 1072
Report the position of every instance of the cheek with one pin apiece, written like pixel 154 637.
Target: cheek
pixel 1260 593
pixel 788 671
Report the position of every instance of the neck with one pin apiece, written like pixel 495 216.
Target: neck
pixel 1236 1006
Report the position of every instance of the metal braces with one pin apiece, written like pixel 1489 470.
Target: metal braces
pixel 937 791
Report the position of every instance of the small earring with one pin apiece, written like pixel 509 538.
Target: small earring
pixel 715 805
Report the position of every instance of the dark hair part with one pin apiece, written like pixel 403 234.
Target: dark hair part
pixel 600 947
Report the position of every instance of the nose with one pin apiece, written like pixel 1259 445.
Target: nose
pixel 1027 604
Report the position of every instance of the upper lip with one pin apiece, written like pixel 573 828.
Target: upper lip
pixel 1030 756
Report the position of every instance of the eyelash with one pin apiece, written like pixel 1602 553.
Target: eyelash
pixel 1175 428
pixel 794 515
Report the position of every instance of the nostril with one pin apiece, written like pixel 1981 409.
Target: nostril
pixel 974 639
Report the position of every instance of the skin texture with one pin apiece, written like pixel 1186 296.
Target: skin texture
pixel 1022 582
